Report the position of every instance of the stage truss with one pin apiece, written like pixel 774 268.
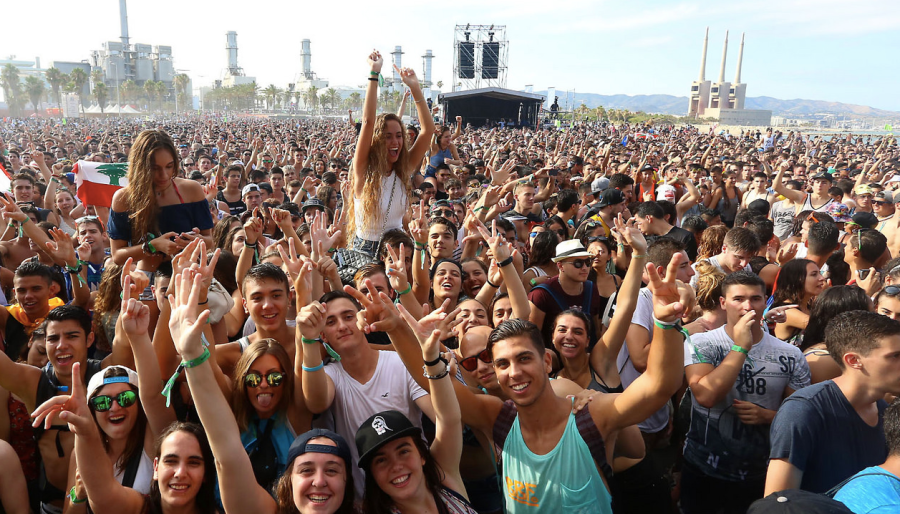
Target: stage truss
pixel 480 56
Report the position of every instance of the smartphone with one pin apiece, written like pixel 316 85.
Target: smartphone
pixel 553 172
pixel 862 273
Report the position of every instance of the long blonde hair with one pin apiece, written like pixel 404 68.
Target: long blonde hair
pixel 376 168
pixel 140 195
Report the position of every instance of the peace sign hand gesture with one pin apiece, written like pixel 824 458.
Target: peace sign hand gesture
pixel 379 313
pixel 667 305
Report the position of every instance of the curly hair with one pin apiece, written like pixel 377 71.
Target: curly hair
pixel 711 242
pixel 709 286
pixel 139 193
pixel 377 168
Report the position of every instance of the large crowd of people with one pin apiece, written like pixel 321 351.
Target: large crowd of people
pixel 364 315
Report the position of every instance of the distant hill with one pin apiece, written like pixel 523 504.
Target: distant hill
pixel 677 105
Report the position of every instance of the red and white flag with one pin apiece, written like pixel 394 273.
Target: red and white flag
pixel 97 181
pixel 5 180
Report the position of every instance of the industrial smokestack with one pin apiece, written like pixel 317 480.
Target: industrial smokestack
pixel 231 49
pixel 737 75
pixel 123 20
pixel 724 54
pixel 306 58
pixel 427 65
pixel 703 58
pixel 397 58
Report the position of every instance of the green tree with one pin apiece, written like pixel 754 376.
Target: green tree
pixel 160 90
pixel 311 98
pixel 35 89
pixel 129 91
pixel 332 97
pixel 181 82
pixel 150 92
pixel 56 79
pixel 355 100
pixel 12 88
pixel 101 93
pixel 270 93
pixel 79 77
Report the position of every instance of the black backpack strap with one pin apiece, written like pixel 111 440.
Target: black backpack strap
pixel 552 293
pixel 132 468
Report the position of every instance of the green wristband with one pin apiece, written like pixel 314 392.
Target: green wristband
pixel 308 341
pixel 736 348
pixel 408 289
pixel 73 498
pixel 167 390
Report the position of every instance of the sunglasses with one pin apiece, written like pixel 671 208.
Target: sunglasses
pixel 881 203
pixel 891 290
pixel 104 402
pixel 254 379
pixel 580 263
pixel 266 160
pixel 594 239
pixel 471 363
pixel 442 212
pixel 86 218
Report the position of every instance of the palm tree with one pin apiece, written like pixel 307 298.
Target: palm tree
pixel 160 90
pixel 129 91
pixel 270 93
pixel 101 93
pixel 56 79
pixel 355 100
pixel 35 89
pixel 181 82
pixel 79 78
pixel 333 97
pixel 600 112
pixel 286 96
pixel 150 92
pixel 311 98
pixel 12 88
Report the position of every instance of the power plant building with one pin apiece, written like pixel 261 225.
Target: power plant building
pixel 721 100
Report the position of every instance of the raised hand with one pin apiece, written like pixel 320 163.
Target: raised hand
pixel 135 315
pixel 379 313
pixel 318 231
pixel 396 271
pixel 11 210
pixel 61 248
pixel 423 327
pixel 253 228
pixel 632 235
pixel 186 321
pixel 375 61
pixel 292 260
pixel 72 409
pixel 667 305
pixel 282 218
pixel 779 314
pixel 408 77
pixel 743 336
pixel 418 226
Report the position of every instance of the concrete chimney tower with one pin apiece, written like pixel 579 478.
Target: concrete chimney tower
pixel 397 60
pixel 426 64
pixel 306 58
pixel 123 21
pixel 738 92
pixel 718 93
pixel 699 98
pixel 703 57
pixel 231 49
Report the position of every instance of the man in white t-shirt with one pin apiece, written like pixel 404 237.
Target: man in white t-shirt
pixel 740 245
pixel 363 382
pixel 738 377
pixel 632 358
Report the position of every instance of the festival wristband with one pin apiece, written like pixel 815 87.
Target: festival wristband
pixel 308 341
pixel 736 348
pixel 505 262
pixel 74 498
pixel 314 368
pixel 167 391
pixel 408 289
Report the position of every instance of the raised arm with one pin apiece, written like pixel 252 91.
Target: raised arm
pixel 603 356
pixel 135 322
pixel 779 187
pixel 317 387
pixel 423 141
pixel 367 128
pixel 232 462
pixel 665 366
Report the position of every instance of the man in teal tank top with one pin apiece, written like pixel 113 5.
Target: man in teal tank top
pixel 552 460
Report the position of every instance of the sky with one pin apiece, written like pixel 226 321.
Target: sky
pixel 833 50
